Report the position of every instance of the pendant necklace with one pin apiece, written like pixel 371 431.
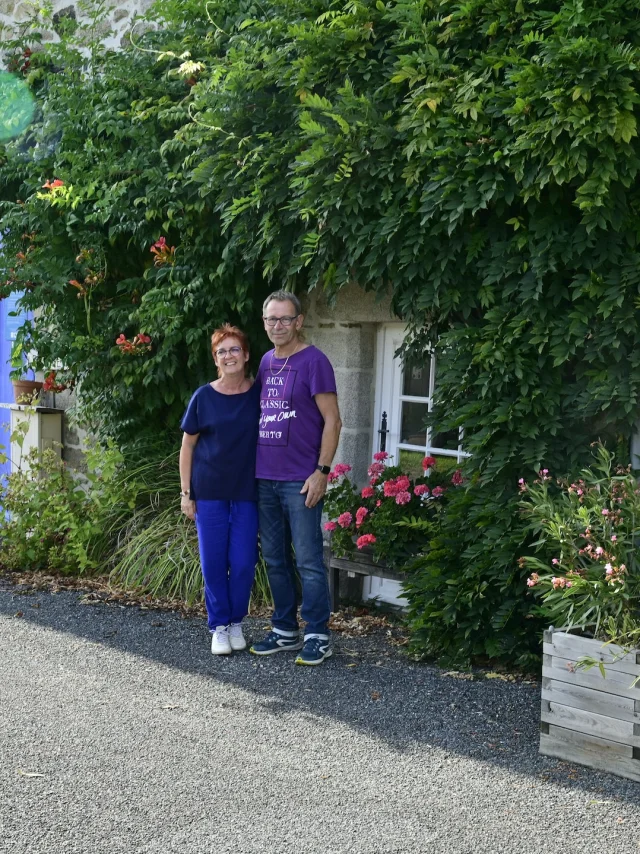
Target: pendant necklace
pixel 282 367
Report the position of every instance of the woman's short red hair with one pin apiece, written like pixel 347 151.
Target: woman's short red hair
pixel 228 331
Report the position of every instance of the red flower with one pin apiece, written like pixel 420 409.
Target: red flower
pixel 428 463
pixel 381 455
pixel 367 492
pixel 345 519
pixel 457 478
pixel 330 526
pixel 403 498
pixel 365 540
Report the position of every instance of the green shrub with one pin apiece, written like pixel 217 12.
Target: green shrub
pixel 53 521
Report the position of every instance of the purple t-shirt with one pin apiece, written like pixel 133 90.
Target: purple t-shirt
pixel 291 424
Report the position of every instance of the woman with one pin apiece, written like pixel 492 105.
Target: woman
pixel 218 487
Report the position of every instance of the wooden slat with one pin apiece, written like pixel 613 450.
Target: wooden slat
pixel 592 757
pixel 590 723
pixel 366 568
pixel 578 697
pixel 570 646
pixel 589 680
pixel 591 742
pixel 626 679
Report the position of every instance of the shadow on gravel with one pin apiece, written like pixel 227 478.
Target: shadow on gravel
pixel 366 685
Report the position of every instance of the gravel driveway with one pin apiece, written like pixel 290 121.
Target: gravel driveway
pixel 120 733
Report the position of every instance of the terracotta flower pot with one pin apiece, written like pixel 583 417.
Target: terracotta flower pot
pixel 24 391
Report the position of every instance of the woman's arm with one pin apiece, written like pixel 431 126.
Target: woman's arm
pixel 187 505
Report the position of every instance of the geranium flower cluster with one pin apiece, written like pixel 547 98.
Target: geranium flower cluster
pixel 140 343
pixel 368 517
pixel 51 383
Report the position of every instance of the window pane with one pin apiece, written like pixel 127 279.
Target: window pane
pixel 416 378
pixel 411 462
pixel 413 430
pixel 448 441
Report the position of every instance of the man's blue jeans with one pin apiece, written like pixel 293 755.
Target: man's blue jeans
pixel 288 527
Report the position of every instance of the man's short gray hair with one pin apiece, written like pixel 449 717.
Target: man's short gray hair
pixel 283 296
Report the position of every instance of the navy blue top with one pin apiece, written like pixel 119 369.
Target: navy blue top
pixel 224 458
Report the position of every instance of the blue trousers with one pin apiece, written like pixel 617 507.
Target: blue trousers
pixel 228 542
pixel 287 526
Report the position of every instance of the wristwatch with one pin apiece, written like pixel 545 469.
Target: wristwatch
pixel 323 469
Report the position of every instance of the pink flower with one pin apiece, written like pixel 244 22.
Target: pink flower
pixel 558 582
pixel 345 519
pixel 330 526
pixel 332 476
pixel 608 569
pixel 569 584
pixel 599 550
pixel 605 512
pixel 365 540
pixel 614 538
pixel 381 455
pixel 378 503
pixel 457 478
pixel 390 488
pixel 341 468
pixel 428 462
pixel 521 481
pixel 403 483
pixel 375 469
pixel 367 492
pixel 403 498
pixel 361 512
pixel 555 561
pixel 421 489
pixel 437 492
pixel 533 579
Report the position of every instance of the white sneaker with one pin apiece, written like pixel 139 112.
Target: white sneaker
pixel 220 641
pixel 236 638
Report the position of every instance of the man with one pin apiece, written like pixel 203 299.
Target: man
pixel 299 431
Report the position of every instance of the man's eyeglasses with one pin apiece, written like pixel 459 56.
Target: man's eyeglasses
pixel 285 321
pixel 232 351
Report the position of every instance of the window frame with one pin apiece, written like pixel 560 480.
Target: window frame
pixel 390 398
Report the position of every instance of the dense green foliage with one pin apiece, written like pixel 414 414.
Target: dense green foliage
pixel 477 159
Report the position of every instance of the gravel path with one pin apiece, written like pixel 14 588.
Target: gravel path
pixel 119 733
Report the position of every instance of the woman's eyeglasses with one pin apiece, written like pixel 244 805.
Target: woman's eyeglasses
pixel 232 351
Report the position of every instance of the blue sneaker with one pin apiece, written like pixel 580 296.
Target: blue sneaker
pixel 275 642
pixel 315 650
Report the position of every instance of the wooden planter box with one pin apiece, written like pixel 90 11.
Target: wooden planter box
pixel 588 719
pixel 360 563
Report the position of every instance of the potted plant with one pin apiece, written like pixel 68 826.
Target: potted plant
pixel 26 389
pixel 371 520
pixel 587 576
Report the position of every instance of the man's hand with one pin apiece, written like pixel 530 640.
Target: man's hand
pixel 315 487
pixel 188 507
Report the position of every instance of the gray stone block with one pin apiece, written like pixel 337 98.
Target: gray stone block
pixel 355 450
pixel 355 398
pixel 75 459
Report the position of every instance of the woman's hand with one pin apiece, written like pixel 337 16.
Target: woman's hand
pixel 188 507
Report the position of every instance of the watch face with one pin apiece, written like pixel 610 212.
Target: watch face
pixel 324 469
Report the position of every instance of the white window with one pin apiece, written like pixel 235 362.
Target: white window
pixel 404 391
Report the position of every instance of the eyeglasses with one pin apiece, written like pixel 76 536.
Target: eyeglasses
pixel 232 351
pixel 285 321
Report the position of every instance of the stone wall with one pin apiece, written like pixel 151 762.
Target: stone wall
pixel 347 333
pixel 123 11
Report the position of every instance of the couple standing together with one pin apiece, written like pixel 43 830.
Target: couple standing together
pixel 256 455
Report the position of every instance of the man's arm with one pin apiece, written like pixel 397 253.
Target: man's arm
pixel 315 485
